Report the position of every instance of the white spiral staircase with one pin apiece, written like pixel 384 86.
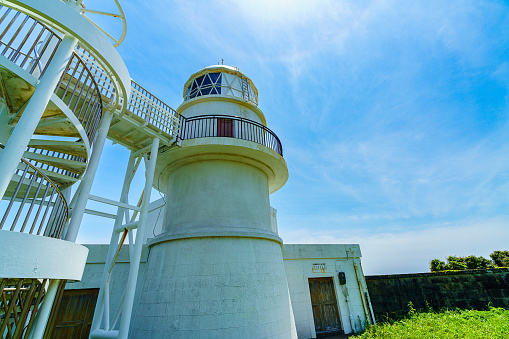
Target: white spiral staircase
pixel 93 91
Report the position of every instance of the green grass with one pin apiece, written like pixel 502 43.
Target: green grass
pixel 446 324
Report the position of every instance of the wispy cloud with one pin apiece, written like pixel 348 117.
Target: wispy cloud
pixel 411 251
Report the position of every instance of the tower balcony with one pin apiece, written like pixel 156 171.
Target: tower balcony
pixel 226 138
pixel 226 126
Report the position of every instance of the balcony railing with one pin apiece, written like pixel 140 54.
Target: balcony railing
pixel 151 109
pixel 33 203
pixel 229 127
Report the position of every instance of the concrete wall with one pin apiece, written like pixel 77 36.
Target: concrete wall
pixel 156 216
pixel 215 287
pixel 472 289
pixel 215 107
pixel 299 261
pixel 216 194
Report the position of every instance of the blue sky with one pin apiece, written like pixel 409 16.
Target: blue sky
pixel 392 115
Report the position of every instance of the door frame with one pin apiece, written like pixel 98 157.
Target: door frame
pixel 332 279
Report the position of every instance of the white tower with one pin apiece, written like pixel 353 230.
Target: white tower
pixel 216 270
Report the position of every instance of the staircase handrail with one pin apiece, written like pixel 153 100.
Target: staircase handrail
pixel 56 210
pixel 20 52
pixel 102 78
pixel 93 112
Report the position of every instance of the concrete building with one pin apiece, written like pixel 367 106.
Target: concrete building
pixel 214 265
pixel 306 266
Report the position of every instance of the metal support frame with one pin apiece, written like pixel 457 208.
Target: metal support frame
pixel 20 137
pixel 79 201
pixel 102 326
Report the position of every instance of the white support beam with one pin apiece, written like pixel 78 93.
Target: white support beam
pixel 113 202
pixel 132 166
pixel 45 310
pixel 118 311
pixel 83 191
pixel 100 214
pixel 141 151
pixel 129 226
pixel 138 245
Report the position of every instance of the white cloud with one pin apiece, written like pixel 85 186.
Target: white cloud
pixel 411 251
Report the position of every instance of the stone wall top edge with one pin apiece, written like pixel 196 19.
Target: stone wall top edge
pixel 436 274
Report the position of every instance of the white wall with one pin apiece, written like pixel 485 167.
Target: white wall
pixel 216 107
pixel 299 261
pixel 156 214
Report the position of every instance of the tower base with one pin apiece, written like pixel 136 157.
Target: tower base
pixel 215 287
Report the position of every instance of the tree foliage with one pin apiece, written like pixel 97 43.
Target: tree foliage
pixel 500 258
pixel 454 263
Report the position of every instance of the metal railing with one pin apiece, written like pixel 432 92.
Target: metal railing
pixel 229 127
pixel 102 78
pixel 155 112
pixel 79 91
pixel 141 103
pixel 26 42
pixel 33 203
pixel 19 302
pixel 31 45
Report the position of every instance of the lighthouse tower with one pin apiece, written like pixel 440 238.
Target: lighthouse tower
pixel 216 270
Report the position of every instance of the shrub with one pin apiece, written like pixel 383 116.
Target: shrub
pixel 500 258
pixel 467 324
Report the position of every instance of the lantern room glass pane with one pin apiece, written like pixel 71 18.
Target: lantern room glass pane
pixel 207 84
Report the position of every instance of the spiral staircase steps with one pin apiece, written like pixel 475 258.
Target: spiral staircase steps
pixel 70 165
pixel 16 90
pixel 61 180
pixel 58 179
pixel 62 146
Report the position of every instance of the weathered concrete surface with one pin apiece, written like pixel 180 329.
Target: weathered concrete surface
pixel 471 289
pixel 215 288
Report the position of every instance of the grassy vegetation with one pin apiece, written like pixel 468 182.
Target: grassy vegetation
pixel 493 323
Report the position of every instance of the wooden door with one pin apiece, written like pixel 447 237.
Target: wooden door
pixel 224 127
pixel 325 306
pixel 74 315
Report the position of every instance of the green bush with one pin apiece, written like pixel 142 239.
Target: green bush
pixel 500 258
pixel 437 265
pixel 454 263
pixel 447 324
